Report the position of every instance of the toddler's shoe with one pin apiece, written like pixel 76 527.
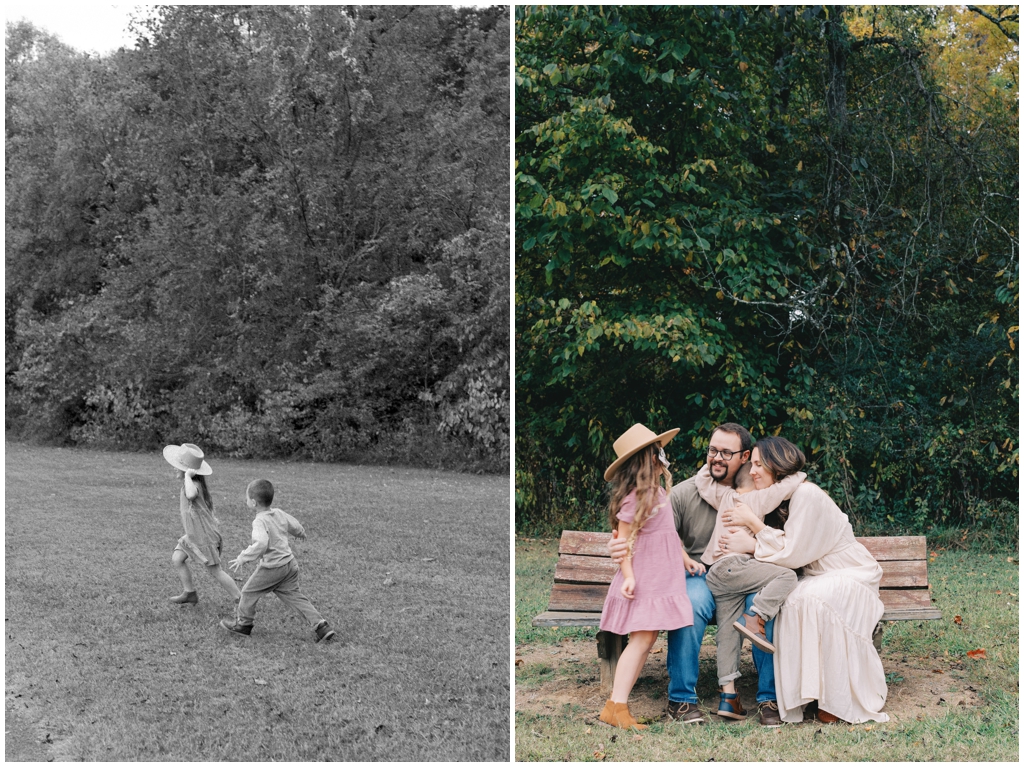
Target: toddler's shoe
pixel 752 627
pixel 730 707
pixel 324 631
pixel 236 627
pixel 186 598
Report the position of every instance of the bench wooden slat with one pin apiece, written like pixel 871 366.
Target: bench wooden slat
pixel 897 547
pixel 577 597
pixel 583 542
pixel 913 547
pixel 583 619
pixel 572 568
pixel 576 600
pixel 900 574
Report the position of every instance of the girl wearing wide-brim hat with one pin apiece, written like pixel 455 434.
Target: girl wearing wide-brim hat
pixel 202 540
pixel 648 593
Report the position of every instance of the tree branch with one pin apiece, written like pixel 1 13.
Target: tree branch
pixel 998 22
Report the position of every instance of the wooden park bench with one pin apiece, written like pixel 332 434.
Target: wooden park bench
pixel 584 571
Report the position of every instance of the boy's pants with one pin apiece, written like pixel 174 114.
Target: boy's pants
pixel 683 657
pixel 730 580
pixel 283 581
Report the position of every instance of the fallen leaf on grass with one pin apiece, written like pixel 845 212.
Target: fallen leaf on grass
pixel 599 755
pixel 588 731
pixel 957 620
pixel 938 671
pixel 978 654
pixel 638 737
pixel 657 650
pixel 260 681
pixel 519 662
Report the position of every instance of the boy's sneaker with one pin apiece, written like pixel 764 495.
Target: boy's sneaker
pixel 186 598
pixel 730 707
pixel 236 627
pixel 324 631
pixel 752 627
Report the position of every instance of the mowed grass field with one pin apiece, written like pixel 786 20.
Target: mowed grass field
pixel 410 566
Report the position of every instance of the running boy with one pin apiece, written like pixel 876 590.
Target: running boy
pixel 277 571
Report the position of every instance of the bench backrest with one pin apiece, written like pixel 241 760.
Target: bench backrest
pixel 584 571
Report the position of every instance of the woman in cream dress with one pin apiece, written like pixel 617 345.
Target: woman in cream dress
pixel 823 631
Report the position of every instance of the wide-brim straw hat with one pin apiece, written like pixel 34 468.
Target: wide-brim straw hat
pixel 187 457
pixel 635 439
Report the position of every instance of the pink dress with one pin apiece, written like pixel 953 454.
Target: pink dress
pixel 660 602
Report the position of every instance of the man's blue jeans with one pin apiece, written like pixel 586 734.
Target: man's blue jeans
pixel 684 648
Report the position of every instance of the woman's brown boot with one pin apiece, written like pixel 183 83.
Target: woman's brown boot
pixel 617 715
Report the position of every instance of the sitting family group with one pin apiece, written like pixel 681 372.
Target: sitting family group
pixel 747 522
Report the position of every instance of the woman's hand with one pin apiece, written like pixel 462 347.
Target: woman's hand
pixel 739 515
pixel 736 540
pixel 628 586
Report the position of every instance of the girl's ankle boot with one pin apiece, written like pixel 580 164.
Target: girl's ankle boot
pixel 186 597
pixel 617 715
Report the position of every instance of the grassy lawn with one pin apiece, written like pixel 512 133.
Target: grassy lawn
pixel 410 566
pixel 944 705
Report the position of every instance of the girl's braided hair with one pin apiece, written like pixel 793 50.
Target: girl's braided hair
pixel 644 473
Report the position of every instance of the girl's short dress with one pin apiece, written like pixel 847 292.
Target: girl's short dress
pixel 660 602
pixel 202 540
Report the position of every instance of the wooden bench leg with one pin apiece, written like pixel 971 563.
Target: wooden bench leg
pixel 609 648
pixel 876 637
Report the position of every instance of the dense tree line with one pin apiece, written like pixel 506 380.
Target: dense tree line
pixel 801 219
pixel 275 230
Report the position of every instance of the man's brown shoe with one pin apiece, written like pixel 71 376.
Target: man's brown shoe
pixel 730 707
pixel 752 627
pixel 768 714
pixel 687 713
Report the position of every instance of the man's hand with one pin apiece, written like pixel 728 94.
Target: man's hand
pixel 695 567
pixel 618 548
pixel 628 587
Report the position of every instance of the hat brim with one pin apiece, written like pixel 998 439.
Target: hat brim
pixel 171 456
pixel 662 439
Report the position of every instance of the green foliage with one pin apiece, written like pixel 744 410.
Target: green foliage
pixel 278 230
pixel 750 214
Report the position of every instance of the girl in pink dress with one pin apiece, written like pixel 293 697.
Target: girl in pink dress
pixel 648 593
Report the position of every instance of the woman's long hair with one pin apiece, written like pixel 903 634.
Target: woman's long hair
pixel 782 458
pixel 642 472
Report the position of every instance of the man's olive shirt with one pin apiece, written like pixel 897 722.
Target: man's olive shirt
pixel 695 517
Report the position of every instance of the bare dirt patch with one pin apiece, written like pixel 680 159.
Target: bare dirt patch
pixel 567 674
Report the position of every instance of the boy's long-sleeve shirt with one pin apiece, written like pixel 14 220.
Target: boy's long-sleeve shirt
pixel 270 531
pixel 724 497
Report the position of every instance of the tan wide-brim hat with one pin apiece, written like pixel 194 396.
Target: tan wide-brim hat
pixel 635 439
pixel 186 457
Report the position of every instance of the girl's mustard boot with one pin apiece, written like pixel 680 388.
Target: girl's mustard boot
pixel 617 715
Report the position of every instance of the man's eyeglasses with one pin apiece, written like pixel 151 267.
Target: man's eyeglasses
pixel 726 454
